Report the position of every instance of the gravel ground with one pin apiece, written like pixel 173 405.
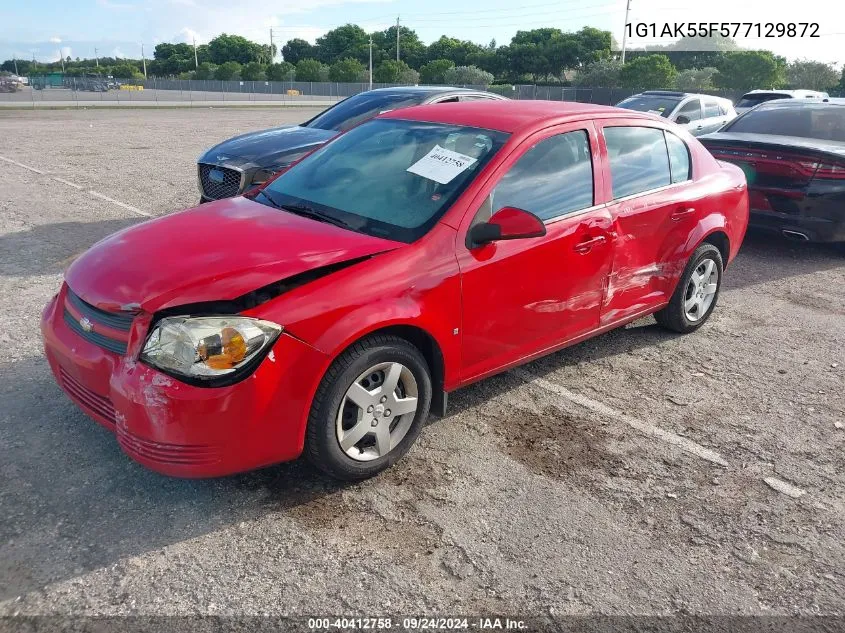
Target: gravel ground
pixel 583 483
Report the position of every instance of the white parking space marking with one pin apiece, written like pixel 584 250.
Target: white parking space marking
pixel 90 192
pixel 128 207
pixel 14 162
pixel 67 182
pixel 643 427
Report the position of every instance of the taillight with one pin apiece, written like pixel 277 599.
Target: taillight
pixel 830 171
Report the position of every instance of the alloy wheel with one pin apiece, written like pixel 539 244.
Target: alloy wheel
pixel 701 290
pixel 377 411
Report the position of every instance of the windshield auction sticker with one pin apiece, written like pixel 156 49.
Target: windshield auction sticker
pixel 441 165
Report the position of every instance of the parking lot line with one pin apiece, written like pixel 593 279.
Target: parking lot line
pixel 645 428
pixel 90 192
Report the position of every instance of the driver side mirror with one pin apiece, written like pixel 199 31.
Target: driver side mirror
pixel 508 223
pixel 681 119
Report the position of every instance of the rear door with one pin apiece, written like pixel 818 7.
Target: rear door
pixel 714 117
pixel 654 210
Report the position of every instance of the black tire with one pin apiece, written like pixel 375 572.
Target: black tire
pixel 673 316
pixel 321 441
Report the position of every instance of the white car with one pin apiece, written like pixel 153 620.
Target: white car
pixel 756 97
pixel 699 114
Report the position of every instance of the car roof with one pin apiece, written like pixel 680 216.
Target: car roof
pixel 683 95
pixel 794 93
pixel 509 116
pixel 800 103
pixel 420 90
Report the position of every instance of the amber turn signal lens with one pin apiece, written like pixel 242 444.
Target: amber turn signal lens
pixel 225 350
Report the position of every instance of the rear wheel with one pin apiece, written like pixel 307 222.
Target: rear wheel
pixel 369 408
pixel 695 297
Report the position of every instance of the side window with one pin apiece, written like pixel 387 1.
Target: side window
pixel 723 109
pixel 712 109
pixel 553 178
pixel 638 159
pixel 679 161
pixel 691 110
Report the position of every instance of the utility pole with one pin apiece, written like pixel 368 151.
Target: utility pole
pixel 371 62
pixel 62 59
pixel 625 29
pixel 144 61
pixel 196 62
pixel 272 54
pixel 96 57
pixel 371 53
pixel 397 37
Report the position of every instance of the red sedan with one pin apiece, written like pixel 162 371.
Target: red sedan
pixel 329 311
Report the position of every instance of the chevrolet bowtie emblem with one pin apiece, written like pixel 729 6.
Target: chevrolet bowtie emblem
pixel 85 324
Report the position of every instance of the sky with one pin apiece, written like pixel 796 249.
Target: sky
pixel 119 28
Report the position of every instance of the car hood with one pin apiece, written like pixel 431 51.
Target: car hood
pixel 219 251
pixel 266 148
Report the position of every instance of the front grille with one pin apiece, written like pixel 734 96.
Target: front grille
pixel 106 328
pixel 231 185
pixel 116 320
pixel 87 399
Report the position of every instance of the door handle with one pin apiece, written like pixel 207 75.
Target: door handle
pixel 587 245
pixel 682 212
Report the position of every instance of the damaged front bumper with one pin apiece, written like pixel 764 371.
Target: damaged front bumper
pixel 179 429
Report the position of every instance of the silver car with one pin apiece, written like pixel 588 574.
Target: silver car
pixel 699 114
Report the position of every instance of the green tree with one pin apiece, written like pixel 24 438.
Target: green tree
pixel 411 49
pixel 310 70
pixel 603 73
pixel 298 49
pixel 228 71
pixel 347 41
pixel 696 79
pixel 124 71
pixel 233 48
pixel 205 70
pixel 467 75
pixel 810 75
pixel 253 71
pixel 744 70
pixel 392 72
pixel 347 70
pixel 453 49
pixel 649 72
pixel 284 71
pixel 432 72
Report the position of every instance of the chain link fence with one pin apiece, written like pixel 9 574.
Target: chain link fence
pixel 85 91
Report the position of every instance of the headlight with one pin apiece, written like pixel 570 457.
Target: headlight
pixel 263 175
pixel 207 347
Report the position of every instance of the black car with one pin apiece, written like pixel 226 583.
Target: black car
pixel 244 161
pixel 793 154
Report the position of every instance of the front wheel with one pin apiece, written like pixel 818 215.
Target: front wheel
pixel 695 297
pixel 369 408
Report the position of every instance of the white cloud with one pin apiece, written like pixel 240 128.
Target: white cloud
pixel 56 40
pixel 188 36
pixel 116 52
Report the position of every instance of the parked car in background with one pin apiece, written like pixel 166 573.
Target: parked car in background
pixel 793 154
pixel 235 165
pixel 417 253
pixel 756 97
pixel 699 114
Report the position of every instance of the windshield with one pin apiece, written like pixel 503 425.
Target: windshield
pixel 352 111
pixel 822 121
pixel 749 101
pixel 656 104
pixel 389 178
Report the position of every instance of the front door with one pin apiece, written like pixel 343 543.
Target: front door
pixel 523 297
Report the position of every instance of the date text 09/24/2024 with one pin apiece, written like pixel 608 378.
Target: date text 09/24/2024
pixel 417 623
pixel 723 29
